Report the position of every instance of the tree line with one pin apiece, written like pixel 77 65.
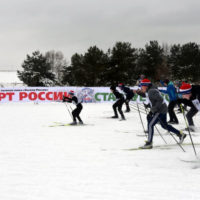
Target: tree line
pixel 120 64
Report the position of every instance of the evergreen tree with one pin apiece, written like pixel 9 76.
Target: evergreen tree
pixel 184 62
pixel 74 74
pixel 151 60
pixel 87 69
pixel 95 64
pixel 122 63
pixel 174 62
pixel 36 71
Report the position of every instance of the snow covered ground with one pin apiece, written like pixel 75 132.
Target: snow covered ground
pixel 38 162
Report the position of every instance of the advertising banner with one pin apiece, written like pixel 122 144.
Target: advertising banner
pixel 50 94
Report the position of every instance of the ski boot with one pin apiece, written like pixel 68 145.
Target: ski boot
pixel 147 145
pixel 182 137
pixel 80 123
pixel 73 123
pixel 190 128
pixel 114 117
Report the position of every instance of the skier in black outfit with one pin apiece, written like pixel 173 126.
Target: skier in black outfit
pixel 75 113
pixel 191 98
pixel 129 95
pixel 118 104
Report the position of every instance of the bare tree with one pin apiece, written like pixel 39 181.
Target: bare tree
pixel 57 62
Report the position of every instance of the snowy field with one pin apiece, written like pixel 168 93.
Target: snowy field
pixel 92 162
pixel 9 77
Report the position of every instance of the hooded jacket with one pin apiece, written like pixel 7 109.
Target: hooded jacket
pixel 158 104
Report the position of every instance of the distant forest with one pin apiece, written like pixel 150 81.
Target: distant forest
pixel 119 64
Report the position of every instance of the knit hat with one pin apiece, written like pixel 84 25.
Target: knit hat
pixel 71 92
pixel 145 82
pixel 185 88
pixel 120 85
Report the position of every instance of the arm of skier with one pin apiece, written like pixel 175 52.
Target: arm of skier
pixel 185 102
pixel 163 90
pixel 139 92
pixel 67 99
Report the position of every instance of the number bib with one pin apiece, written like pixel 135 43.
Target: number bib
pixel 196 104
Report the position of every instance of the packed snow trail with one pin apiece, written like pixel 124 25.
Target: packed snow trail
pixel 38 162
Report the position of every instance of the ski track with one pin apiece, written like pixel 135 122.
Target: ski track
pixel 38 162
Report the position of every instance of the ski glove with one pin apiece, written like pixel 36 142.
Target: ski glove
pixel 65 99
pixel 147 106
pixel 150 115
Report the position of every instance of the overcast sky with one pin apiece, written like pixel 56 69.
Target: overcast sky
pixel 73 26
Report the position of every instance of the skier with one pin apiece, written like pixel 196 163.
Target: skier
pixel 76 112
pixel 118 104
pixel 177 85
pixel 191 98
pixel 171 91
pixel 158 113
pixel 129 95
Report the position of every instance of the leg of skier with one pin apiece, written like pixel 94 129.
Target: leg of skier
pixel 79 108
pixel 193 111
pixel 165 125
pixel 172 115
pixel 115 105
pixel 120 104
pixel 127 105
pixel 74 117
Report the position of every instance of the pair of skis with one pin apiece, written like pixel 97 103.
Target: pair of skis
pixel 57 124
pixel 165 146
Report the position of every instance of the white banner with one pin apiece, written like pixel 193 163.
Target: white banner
pixel 49 94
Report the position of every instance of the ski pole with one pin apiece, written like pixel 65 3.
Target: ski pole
pixel 141 119
pixel 135 108
pixel 139 112
pixel 70 107
pixel 188 129
pixel 141 108
pixel 69 111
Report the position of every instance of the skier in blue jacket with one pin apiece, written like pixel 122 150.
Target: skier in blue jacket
pixel 172 93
